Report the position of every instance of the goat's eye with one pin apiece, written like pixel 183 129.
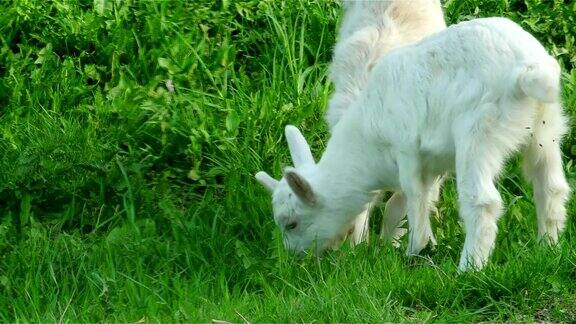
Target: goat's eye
pixel 291 226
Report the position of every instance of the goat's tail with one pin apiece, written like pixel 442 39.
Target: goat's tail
pixel 541 80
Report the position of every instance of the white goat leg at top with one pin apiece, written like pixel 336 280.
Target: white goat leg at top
pixel 369 30
pixel 461 100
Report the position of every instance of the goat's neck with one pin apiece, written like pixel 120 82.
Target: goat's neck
pixel 352 167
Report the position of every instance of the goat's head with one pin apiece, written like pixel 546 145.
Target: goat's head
pixel 304 215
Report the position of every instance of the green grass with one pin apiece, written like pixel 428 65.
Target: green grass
pixel 123 200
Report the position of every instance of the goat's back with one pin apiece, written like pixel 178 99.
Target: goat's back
pixel 471 72
pixel 489 54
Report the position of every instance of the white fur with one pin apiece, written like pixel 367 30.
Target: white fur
pixel 461 100
pixel 369 30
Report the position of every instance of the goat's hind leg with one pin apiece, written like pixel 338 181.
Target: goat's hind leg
pixel 543 167
pixel 478 162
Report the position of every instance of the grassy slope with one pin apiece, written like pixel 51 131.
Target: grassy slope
pixel 121 199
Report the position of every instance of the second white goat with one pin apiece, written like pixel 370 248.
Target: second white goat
pixel 369 30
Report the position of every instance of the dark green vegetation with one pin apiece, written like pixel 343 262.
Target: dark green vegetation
pixel 126 196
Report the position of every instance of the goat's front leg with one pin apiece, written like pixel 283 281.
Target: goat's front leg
pixel 417 188
pixel 394 212
pixel 435 194
pixel 360 232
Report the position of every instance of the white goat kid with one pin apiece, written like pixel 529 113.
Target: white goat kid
pixel 461 100
pixel 369 30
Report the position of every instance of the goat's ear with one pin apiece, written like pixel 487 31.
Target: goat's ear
pixel 300 186
pixel 267 181
pixel 299 149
